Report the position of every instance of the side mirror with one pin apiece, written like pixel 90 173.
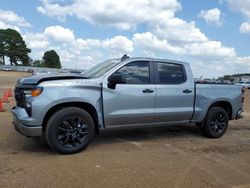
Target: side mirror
pixel 115 79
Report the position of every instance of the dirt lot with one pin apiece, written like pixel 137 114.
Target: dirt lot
pixel 163 157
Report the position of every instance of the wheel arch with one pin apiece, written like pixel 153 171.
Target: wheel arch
pixel 225 105
pixel 83 105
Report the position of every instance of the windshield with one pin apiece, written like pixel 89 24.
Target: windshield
pixel 101 68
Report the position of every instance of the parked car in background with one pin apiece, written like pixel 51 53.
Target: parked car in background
pixel 64 71
pixel 76 72
pixel 240 84
pixel 247 85
pixel 6 68
pixel 128 92
pixel 30 71
pixel 42 72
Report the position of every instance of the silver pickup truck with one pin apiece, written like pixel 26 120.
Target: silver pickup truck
pixel 70 109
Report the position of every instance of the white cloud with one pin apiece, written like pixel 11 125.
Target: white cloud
pixel 166 35
pixel 36 40
pixel 149 42
pixel 212 16
pixel 124 14
pixel 9 19
pixel 242 6
pixel 87 44
pixel 81 61
pixel 245 27
pixel 6 26
pixel 71 49
pixel 53 10
pixel 243 61
pixel 179 31
pixel 120 44
pixel 12 18
pixel 117 44
pixel 60 33
pixel 210 50
pixel 169 34
pixel 66 56
pixel 75 50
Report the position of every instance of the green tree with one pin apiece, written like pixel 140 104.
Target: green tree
pixel 13 46
pixel 3 45
pixel 51 59
pixel 227 77
pixel 38 63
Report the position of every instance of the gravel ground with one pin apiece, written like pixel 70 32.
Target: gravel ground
pixel 162 157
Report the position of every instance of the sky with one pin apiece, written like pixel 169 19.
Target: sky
pixel 212 35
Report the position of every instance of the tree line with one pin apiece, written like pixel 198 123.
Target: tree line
pixel 14 47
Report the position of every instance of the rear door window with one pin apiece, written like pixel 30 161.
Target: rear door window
pixel 170 73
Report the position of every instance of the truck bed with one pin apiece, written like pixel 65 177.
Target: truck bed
pixel 207 93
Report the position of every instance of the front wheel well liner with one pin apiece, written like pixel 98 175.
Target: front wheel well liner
pixel 85 106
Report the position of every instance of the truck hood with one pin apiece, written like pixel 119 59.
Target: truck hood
pixel 37 79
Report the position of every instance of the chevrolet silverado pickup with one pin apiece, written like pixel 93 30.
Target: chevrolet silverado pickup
pixel 129 92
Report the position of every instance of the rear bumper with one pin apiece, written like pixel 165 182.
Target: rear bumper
pixel 20 121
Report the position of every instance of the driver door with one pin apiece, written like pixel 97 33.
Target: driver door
pixel 133 102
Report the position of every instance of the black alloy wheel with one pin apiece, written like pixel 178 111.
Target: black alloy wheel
pixel 218 122
pixel 70 130
pixel 215 123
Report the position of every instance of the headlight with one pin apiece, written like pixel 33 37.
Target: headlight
pixel 36 92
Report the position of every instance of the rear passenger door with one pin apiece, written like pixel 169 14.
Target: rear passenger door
pixel 174 93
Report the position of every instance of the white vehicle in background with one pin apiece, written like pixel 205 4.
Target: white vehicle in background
pixel 6 68
pixel 247 85
pixel 240 84
pixel 42 72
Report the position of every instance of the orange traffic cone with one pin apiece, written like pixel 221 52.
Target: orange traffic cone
pixel 5 97
pixel 1 106
pixel 10 93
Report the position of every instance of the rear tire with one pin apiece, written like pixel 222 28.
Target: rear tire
pixel 216 122
pixel 70 130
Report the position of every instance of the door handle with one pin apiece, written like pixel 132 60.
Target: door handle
pixel 187 91
pixel 147 91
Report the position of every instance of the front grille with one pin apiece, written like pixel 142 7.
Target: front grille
pixel 20 91
pixel 20 97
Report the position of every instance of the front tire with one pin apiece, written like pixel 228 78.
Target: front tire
pixel 216 122
pixel 70 130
